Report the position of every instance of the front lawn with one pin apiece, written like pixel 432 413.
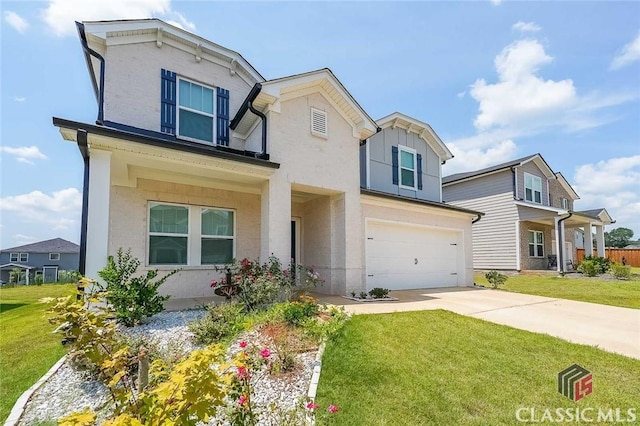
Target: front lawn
pixel 616 293
pixel 440 368
pixel 28 348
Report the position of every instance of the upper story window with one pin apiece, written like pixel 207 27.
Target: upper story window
pixel 54 256
pixel 195 111
pixel 565 204
pixel 407 167
pixel 532 188
pixel 14 257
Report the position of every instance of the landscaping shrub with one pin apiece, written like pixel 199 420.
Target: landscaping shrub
pixel 219 322
pixel 295 312
pixel 326 325
pixel 495 278
pixel 590 267
pixel 68 276
pixel 132 298
pixel 379 292
pixel 603 263
pixel 621 272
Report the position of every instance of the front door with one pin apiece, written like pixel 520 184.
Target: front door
pixel 50 274
pixel 295 240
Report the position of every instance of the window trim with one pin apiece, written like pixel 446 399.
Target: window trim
pixel 535 244
pixel 194 234
pixel 213 116
pixel 326 122
pixel 52 258
pixel 414 170
pixel 533 191
pixel 14 257
pixel 26 257
pixel 564 203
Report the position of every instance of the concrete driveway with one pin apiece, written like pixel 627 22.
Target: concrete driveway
pixel 607 327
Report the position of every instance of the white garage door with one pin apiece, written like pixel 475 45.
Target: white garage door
pixel 406 257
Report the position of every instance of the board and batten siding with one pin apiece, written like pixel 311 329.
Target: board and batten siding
pixel 380 164
pixel 532 169
pixel 494 236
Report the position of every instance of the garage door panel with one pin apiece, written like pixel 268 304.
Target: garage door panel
pixel 402 256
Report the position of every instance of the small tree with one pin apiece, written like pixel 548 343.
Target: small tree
pixel 132 298
pixel 495 278
pixel 618 237
pixel 16 276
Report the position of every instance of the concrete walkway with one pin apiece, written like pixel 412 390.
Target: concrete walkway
pixel 607 327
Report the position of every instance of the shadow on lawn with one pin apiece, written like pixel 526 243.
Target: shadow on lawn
pixel 4 307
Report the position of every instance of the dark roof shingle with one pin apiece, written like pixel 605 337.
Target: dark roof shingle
pixel 55 245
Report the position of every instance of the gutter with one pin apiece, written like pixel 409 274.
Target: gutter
pixel 513 182
pixel 84 151
pixel 477 219
pixel 247 105
pixel 561 244
pixel 363 142
pixel 99 91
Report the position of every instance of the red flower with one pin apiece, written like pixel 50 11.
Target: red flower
pixel 312 406
pixel 243 373
pixel 265 353
pixel 243 344
pixel 242 400
pixel 214 283
pixel 332 408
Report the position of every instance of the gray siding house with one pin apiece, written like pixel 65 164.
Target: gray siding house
pixel 528 210
pixel 44 258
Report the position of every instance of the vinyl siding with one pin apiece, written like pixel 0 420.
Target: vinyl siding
pixel 493 184
pixel 381 165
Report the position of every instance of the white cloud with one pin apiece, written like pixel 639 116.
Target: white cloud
pixel 25 239
pixel 60 15
pixel 612 184
pixel 60 210
pixel 628 54
pixel 461 95
pixel 531 27
pixel 467 158
pixel 24 154
pixel 16 21
pixel 496 2
pixel 19 99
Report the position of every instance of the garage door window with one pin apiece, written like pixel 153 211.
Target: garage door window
pixel 407 167
pixel 536 244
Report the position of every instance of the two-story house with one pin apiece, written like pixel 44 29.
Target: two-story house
pixel 529 211
pixel 196 159
pixel 44 258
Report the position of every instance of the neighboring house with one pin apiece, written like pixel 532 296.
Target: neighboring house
pixel 529 209
pixel 44 258
pixel 197 159
pixel 578 238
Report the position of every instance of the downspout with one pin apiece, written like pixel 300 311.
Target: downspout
pixel 84 151
pixel 90 52
pixel 561 243
pixel 264 127
pixel 513 182
pixel 248 105
pixel 477 219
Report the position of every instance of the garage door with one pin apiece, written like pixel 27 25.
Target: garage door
pixel 403 256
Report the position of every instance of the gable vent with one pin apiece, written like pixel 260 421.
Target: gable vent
pixel 319 122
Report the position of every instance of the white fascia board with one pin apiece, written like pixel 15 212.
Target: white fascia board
pixel 540 207
pixel 567 187
pixel 418 127
pixel 542 165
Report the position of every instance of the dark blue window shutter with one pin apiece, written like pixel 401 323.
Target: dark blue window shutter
pixel 419 170
pixel 394 164
pixel 222 123
pixel 168 102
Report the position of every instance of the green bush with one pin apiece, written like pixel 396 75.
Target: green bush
pixel 132 298
pixel 295 312
pixel 495 278
pixel 621 272
pixel 379 292
pixel 68 276
pixel 326 325
pixel 603 263
pixel 220 321
pixel 590 267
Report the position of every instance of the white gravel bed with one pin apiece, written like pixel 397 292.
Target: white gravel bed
pixel 70 390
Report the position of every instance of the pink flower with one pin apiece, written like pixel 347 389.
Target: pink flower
pixel 214 283
pixel 243 373
pixel 332 408
pixel 242 400
pixel 312 406
pixel 265 353
pixel 243 344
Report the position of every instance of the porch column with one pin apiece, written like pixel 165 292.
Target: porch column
pixel 98 212
pixel 600 240
pixel 588 241
pixel 560 252
pixel 275 224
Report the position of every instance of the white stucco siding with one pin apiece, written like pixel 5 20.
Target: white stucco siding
pixel 128 227
pixel 427 218
pixel 133 83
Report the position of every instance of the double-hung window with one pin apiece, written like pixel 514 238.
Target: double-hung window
pixel 54 256
pixel 565 204
pixel 532 188
pixel 195 111
pixel 190 235
pixel 407 167
pixel 24 257
pixel 536 244
pixel 168 234
pixel 14 257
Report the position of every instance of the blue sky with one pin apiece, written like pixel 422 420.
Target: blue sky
pixel 496 80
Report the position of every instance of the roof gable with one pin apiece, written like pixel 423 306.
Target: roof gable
pixel 536 158
pixel 422 129
pixel 55 245
pixel 567 187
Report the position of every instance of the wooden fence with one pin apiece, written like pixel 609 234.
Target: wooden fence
pixel 632 256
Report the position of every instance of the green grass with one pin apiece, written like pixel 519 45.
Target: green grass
pixel 616 293
pixel 440 368
pixel 27 346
